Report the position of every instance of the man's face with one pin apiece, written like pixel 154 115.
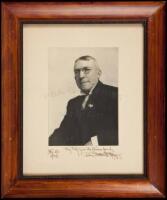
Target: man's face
pixel 86 74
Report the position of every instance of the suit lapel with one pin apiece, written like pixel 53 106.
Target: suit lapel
pixel 82 115
pixel 94 96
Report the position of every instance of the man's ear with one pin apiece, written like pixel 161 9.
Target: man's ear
pixel 99 73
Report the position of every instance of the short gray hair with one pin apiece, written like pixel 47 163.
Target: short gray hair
pixel 87 58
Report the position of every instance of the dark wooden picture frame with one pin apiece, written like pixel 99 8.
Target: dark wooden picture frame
pixel 14 15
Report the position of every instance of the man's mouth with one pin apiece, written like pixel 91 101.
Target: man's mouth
pixel 82 82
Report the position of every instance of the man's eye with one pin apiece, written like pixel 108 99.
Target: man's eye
pixel 86 70
pixel 76 71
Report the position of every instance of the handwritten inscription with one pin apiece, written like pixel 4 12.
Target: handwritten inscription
pixel 53 153
pixel 107 152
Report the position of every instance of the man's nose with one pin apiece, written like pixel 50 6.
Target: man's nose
pixel 81 74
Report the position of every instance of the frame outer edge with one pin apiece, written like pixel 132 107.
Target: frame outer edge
pixel 9 180
pixel 156 64
pixel 9 114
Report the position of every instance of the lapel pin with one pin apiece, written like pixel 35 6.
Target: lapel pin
pixel 90 105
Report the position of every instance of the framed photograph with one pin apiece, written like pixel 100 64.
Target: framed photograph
pixel 83 99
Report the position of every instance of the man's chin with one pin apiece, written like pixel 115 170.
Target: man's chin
pixel 85 90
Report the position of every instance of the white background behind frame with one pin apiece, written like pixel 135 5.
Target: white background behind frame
pixel 37 38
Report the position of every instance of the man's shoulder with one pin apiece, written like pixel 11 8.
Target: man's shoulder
pixel 75 100
pixel 109 87
pixel 108 90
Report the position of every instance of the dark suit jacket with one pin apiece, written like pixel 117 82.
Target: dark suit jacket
pixel 100 117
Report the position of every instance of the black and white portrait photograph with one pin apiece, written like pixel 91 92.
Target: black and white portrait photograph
pixel 91 117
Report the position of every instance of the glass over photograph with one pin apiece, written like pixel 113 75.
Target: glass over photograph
pixel 83 99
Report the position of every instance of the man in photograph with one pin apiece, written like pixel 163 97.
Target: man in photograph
pixel 92 117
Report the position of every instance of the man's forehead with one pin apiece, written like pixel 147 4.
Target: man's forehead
pixel 84 63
